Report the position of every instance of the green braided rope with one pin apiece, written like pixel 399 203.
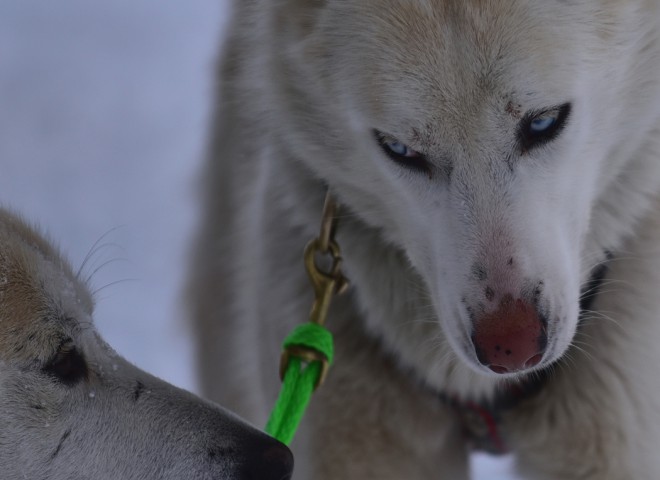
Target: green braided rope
pixel 299 381
pixel 314 336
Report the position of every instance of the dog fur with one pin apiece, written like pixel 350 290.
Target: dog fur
pixel 303 84
pixel 72 409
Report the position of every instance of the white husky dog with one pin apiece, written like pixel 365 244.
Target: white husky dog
pixel 489 157
pixel 72 409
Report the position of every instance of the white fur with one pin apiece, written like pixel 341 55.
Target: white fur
pixel 303 84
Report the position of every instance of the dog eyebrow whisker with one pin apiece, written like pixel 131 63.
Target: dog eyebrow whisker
pixel 65 435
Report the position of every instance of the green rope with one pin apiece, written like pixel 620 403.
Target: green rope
pixel 299 381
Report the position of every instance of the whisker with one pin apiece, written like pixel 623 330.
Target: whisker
pixel 95 247
pixel 104 264
pixel 593 315
pixel 116 282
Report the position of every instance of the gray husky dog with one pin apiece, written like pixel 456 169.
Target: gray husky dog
pixel 497 163
pixel 72 409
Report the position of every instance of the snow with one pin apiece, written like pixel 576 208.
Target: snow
pixel 103 116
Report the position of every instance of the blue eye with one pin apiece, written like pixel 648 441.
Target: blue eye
pixel 398 148
pixel 540 127
pixel 543 123
pixel 402 154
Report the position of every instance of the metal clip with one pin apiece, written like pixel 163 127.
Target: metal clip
pixel 326 284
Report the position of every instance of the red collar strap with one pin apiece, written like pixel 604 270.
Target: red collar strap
pixel 481 421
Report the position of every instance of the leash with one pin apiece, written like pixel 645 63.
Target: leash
pixel 308 350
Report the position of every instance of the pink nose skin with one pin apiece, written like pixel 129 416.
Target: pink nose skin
pixel 510 339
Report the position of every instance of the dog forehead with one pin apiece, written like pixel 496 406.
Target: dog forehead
pixel 430 61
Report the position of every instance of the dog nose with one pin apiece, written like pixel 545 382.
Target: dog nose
pixel 510 339
pixel 267 459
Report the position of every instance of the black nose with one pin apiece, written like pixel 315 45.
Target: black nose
pixel 267 459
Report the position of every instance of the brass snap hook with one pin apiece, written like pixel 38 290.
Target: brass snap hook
pixel 326 283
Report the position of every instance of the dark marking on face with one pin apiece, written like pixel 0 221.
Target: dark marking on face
pixel 65 435
pixel 536 297
pixel 37 407
pixel 490 294
pixel 471 313
pixel 514 110
pixel 510 262
pixel 137 391
pixel 479 271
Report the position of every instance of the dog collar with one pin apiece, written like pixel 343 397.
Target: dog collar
pixel 481 421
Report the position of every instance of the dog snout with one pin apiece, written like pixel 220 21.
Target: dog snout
pixel 511 338
pixel 267 459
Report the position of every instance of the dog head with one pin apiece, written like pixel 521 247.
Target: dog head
pixel 71 408
pixel 480 137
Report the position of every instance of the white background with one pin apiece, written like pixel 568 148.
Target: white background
pixel 103 118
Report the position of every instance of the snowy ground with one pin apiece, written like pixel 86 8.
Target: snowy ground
pixel 103 113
